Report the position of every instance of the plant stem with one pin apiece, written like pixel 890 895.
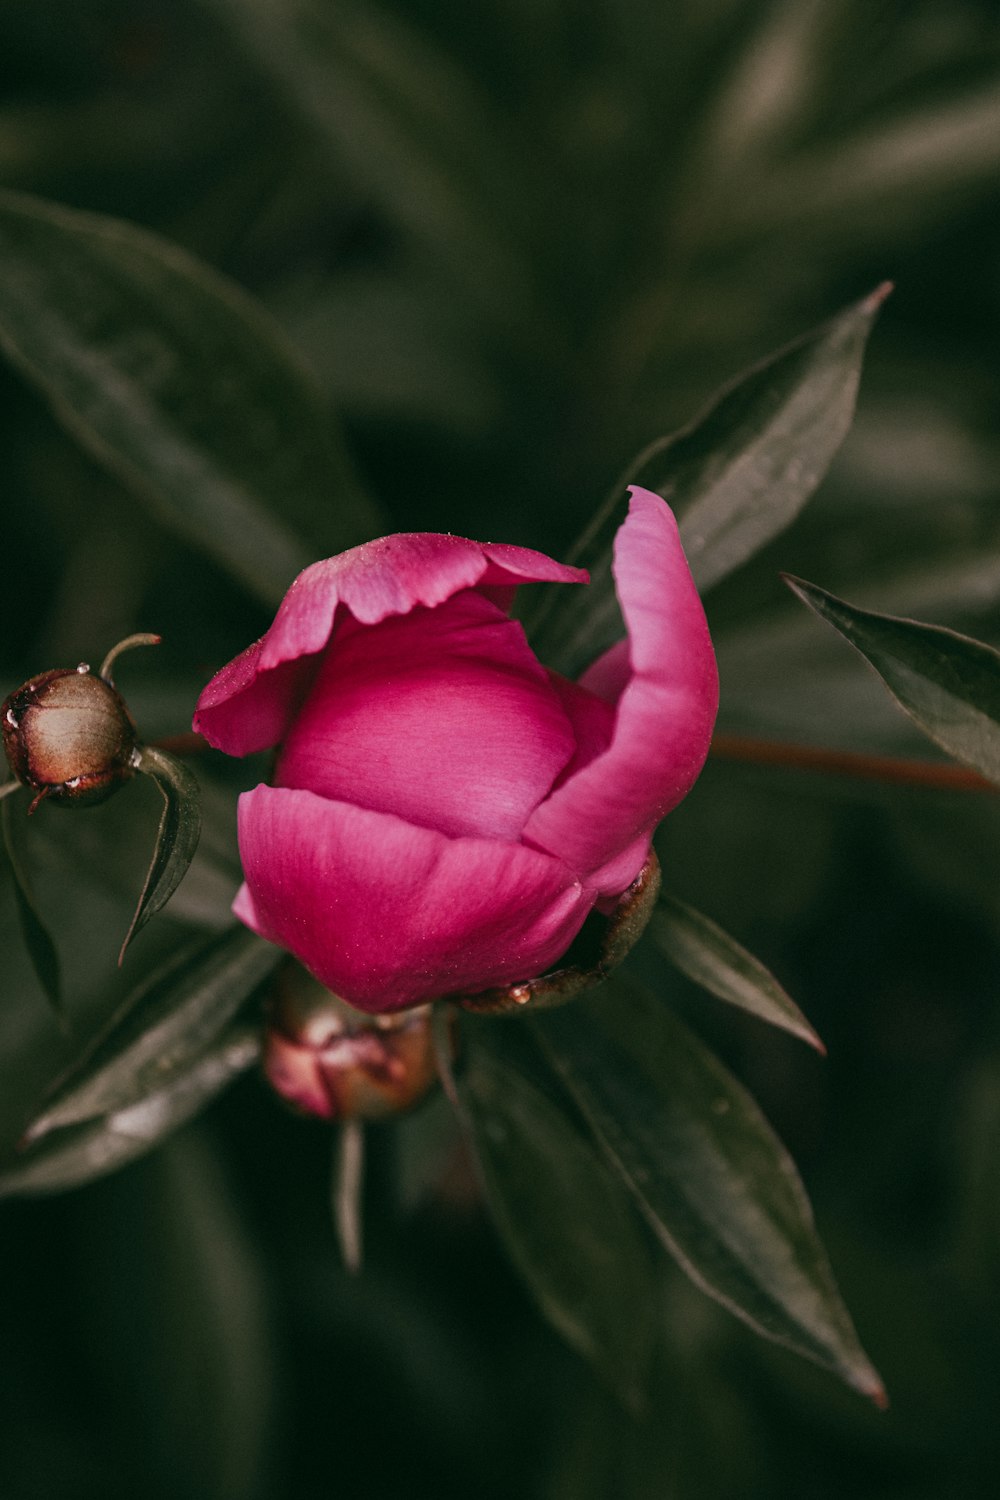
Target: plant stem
pixel 885 768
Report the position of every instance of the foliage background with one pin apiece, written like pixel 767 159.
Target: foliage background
pixel 514 243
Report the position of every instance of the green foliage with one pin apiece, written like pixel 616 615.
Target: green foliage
pixel 37 938
pixel 180 385
pixel 735 477
pixel 700 949
pixel 176 837
pixel 510 246
pixel 947 683
pixel 712 1179
pixel 567 1223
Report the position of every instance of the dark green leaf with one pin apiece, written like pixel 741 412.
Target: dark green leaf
pixel 709 956
pixel 569 1227
pixel 194 1324
pixel 735 477
pixel 948 683
pixel 398 112
pixel 37 940
pixel 714 1181
pixel 69 1158
pixel 176 838
pixel 181 385
pixel 161 1027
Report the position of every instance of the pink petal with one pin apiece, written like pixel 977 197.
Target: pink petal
pixel 386 914
pixel 665 713
pixel 592 719
pixel 386 577
pixel 441 716
pixel 610 674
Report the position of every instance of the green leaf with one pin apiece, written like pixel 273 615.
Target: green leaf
pixel 194 1323
pixel 948 683
pixel 713 1180
pixel 567 1224
pixel 710 957
pixel 69 1158
pixel 161 1027
pixel 735 477
pixel 37 939
pixel 397 111
pixel 180 384
pixel 176 838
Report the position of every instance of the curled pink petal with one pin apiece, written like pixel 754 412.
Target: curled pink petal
pixel 441 716
pixel 665 712
pixel 387 914
pixel 386 577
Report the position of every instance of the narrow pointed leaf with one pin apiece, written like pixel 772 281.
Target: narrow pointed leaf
pixel 736 477
pixel 713 1180
pixel 69 1158
pixel 176 838
pixel 568 1225
pixel 165 1023
pixel 180 384
pixel 710 957
pixel 37 939
pixel 948 683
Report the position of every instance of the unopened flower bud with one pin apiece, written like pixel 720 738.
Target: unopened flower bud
pixel 68 735
pixel 328 1059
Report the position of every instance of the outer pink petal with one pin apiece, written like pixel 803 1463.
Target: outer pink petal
pixel 442 716
pixel 665 712
pixel 386 914
pixel 381 578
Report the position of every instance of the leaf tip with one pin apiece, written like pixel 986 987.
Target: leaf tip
pixel 881 294
pixel 813 1039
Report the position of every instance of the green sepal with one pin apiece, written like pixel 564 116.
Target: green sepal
pixel 176 838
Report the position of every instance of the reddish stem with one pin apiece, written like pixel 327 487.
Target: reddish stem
pixel 886 768
pixel 182 744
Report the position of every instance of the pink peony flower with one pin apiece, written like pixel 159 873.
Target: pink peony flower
pixel 445 812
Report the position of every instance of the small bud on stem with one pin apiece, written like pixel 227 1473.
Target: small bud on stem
pixel 328 1059
pixel 69 736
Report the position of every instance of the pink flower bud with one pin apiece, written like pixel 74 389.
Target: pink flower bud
pixel 69 735
pixel 327 1059
pixel 445 811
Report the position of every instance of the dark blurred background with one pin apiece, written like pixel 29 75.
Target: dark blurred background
pixel 515 242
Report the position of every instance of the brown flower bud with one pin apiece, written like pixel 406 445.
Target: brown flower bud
pixel 328 1059
pixel 68 734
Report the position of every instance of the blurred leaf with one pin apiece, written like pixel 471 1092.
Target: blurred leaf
pixel 71 1157
pixel 569 1227
pixel 710 957
pixel 713 1180
pixel 37 940
pixel 398 112
pixel 161 1027
pixel 735 477
pixel 948 683
pixel 176 838
pixel 193 1326
pixel 887 175
pixel 179 383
